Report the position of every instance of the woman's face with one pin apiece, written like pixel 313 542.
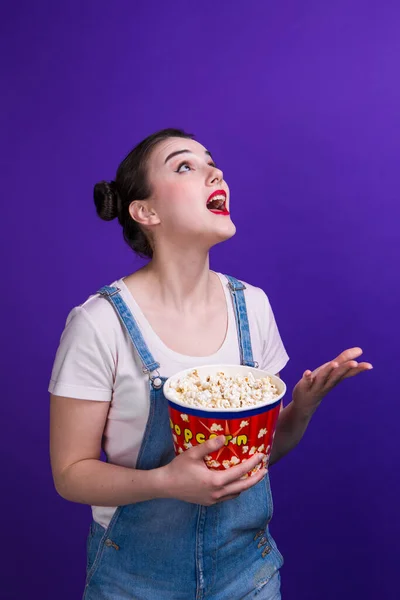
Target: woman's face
pixel 189 196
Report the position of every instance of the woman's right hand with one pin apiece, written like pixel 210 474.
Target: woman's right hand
pixel 188 478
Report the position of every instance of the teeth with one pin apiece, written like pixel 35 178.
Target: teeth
pixel 217 202
pixel 216 205
pixel 220 197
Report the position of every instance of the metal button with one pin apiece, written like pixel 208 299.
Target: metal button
pixel 262 542
pixel 110 544
pixel 266 551
pixel 157 383
pixel 258 535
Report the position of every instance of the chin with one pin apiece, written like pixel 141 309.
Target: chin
pixel 225 233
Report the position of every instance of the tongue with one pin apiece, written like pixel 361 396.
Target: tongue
pixel 216 206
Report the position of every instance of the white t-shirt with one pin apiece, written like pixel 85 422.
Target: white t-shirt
pixel 96 360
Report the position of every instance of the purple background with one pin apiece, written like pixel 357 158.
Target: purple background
pixel 299 103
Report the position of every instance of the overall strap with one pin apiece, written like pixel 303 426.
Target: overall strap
pixel 112 294
pixel 242 322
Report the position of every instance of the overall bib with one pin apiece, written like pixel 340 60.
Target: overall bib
pixel 168 549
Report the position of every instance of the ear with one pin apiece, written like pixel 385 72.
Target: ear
pixel 143 213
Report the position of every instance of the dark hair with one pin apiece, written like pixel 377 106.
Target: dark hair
pixel 112 199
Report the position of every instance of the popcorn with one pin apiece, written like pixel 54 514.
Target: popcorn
pixel 214 463
pixel 227 464
pixel 243 424
pixel 256 468
pixel 245 449
pixel 175 438
pixel 261 448
pixel 253 451
pixel 216 427
pixel 262 432
pixel 188 445
pixel 222 391
pixel 185 418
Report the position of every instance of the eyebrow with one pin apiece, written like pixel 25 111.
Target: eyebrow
pixel 182 152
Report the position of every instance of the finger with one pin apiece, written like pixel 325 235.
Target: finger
pixel 308 378
pixel 335 372
pixel 349 354
pixel 244 484
pixel 359 369
pixel 319 369
pixel 349 370
pixel 323 373
pixel 236 472
pixel 200 451
pixel 229 497
pixel 323 376
pixel 340 374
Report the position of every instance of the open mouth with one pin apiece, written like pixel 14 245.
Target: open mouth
pixel 217 203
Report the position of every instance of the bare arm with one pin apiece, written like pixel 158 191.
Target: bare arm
pixel 290 429
pixel 76 430
pixel 307 396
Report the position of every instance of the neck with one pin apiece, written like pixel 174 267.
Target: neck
pixel 180 281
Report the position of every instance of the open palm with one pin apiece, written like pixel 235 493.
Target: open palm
pixel 315 385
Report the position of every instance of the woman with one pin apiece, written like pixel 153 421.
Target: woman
pixel 165 526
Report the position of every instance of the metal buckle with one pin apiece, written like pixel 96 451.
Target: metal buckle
pixel 116 291
pixel 234 288
pixel 109 294
pixel 153 378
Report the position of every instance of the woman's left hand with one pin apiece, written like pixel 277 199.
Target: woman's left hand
pixel 314 385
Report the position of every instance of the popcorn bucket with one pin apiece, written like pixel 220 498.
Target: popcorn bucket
pixel 247 430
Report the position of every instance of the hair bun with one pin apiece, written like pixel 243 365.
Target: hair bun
pixel 106 200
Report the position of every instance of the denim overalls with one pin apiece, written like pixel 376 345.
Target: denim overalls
pixel 167 549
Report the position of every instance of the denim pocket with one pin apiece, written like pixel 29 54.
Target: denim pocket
pixel 95 535
pixel 270 502
pixel 270 589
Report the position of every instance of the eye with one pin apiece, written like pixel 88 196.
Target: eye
pixel 212 164
pixel 183 164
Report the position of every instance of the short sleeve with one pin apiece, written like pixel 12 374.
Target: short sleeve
pixel 84 366
pixel 274 355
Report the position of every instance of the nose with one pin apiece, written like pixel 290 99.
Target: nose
pixel 215 176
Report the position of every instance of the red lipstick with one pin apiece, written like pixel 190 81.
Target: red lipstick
pixel 216 203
